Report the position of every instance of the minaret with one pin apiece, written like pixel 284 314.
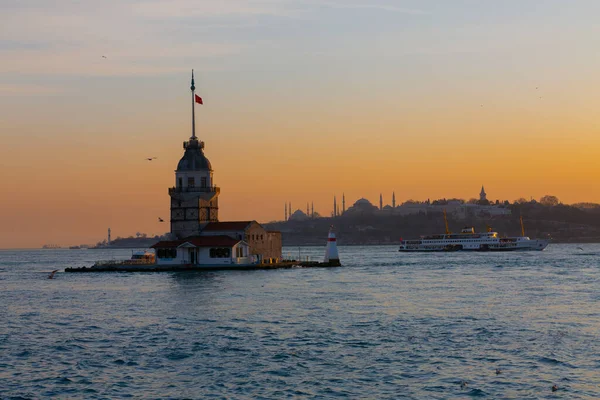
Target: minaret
pixel 334 207
pixel 194 198
pixel 482 195
pixel 285 217
pixel 108 243
pixel 343 203
pixel 307 210
pixel 380 201
pixel 289 210
pixel 393 199
pixel 312 209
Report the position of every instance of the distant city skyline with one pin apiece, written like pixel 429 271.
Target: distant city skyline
pixel 303 100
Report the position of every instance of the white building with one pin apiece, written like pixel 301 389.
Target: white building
pixel 204 250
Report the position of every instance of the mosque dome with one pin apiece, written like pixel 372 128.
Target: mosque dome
pixel 362 202
pixel 194 159
pixel 298 215
pixel 362 206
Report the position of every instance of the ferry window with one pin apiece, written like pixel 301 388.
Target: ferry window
pixel 203 182
pixel 191 182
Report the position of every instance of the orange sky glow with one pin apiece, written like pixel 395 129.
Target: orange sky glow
pixel 409 100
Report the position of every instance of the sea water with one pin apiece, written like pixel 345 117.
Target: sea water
pixel 386 325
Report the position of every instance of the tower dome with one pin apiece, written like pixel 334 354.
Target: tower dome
pixel 193 159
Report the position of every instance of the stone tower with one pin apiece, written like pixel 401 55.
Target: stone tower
pixel 194 198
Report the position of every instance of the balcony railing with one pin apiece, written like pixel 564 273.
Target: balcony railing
pixel 195 189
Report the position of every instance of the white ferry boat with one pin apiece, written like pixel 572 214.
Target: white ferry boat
pixel 469 240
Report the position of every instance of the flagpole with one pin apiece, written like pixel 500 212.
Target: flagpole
pixel 193 88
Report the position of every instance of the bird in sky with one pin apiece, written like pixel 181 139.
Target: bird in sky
pixel 160 219
pixel 51 276
pixel 150 158
pixel 103 56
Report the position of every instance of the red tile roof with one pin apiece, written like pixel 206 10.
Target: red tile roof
pixel 199 241
pixel 165 244
pixel 209 241
pixel 227 226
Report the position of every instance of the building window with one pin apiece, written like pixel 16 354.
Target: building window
pixel 179 182
pixel 191 182
pixel 203 182
pixel 166 253
pixel 220 252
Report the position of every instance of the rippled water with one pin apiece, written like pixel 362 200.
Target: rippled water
pixel 386 325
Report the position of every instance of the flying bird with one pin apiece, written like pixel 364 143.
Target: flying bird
pixel 51 276
pixel 150 158
pixel 160 219
pixel 103 56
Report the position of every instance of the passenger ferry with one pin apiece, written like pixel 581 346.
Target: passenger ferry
pixel 469 240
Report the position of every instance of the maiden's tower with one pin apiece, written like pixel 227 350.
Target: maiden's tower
pixel 195 206
pixel 194 198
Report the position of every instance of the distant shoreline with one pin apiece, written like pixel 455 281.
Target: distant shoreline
pixel 596 241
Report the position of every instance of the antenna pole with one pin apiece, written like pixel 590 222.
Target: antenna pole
pixel 522 227
pixel 446 221
pixel 193 88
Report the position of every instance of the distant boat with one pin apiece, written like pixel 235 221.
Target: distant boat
pixel 51 246
pixel 138 257
pixel 469 240
pixel 74 247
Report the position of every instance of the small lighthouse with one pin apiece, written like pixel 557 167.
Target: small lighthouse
pixel 331 252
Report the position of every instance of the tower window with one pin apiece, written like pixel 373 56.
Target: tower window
pixel 180 182
pixel 191 182
pixel 203 182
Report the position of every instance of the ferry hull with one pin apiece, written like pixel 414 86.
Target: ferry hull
pixel 530 245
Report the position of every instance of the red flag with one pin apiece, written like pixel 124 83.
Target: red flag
pixel 198 99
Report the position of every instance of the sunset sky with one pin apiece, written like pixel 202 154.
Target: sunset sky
pixel 303 100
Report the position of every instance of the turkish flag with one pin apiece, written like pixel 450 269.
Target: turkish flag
pixel 198 99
